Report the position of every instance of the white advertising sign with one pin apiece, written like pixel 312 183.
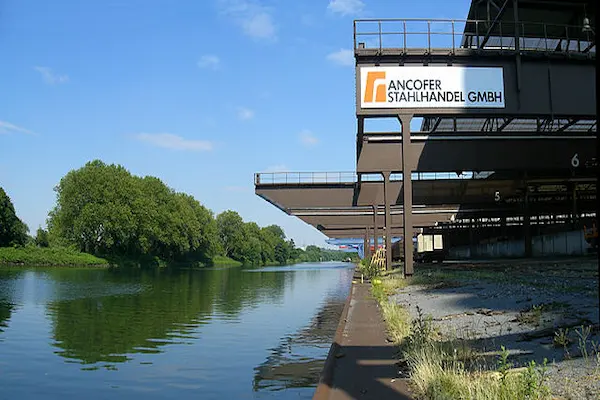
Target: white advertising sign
pixel 431 87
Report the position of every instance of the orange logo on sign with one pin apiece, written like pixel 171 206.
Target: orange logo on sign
pixel 370 89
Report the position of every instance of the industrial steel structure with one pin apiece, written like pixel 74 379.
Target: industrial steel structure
pixel 507 144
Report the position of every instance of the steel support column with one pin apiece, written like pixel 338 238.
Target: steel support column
pixel 365 240
pixel 574 214
pixel 527 225
pixel 407 188
pixel 374 229
pixel 388 221
pixel 367 244
pixel 517 49
pixel 472 245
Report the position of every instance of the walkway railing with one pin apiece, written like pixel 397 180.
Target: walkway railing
pixel 298 178
pixel 434 35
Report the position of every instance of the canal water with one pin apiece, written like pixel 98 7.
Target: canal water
pixel 231 333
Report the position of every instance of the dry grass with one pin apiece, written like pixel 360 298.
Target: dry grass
pixel 397 320
pixel 438 375
pixel 438 369
pixel 396 317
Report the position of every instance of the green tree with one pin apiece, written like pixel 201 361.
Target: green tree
pixel 41 238
pixel 12 230
pixel 297 254
pixel 276 231
pixel 230 227
pixel 268 242
pixel 282 252
pixel 94 208
pixel 104 210
pixel 252 244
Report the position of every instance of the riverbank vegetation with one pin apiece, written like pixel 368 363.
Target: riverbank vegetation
pixel 447 368
pixel 32 255
pixel 104 211
pixel 13 232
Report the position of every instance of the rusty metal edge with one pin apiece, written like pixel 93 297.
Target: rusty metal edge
pixel 325 384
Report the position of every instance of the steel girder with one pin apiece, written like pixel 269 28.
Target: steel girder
pixel 430 153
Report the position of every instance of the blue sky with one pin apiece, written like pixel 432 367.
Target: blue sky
pixel 201 94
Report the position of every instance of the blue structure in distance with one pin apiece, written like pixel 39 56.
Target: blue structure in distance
pixel 357 244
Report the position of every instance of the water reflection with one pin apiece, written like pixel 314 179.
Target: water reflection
pixel 7 290
pixel 5 311
pixel 160 308
pixel 220 333
pixel 299 358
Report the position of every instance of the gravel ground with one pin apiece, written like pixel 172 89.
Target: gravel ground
pixel 521 306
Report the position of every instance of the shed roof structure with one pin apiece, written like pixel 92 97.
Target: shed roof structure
pixel 510 90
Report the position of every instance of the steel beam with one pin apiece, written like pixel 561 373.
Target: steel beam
pixel 425 192
pixel 505 124
pixel 367 219
pixel 308 195
pixel 437 123
pixel 434 153
pixel 439 192
pixel 355 233
pixel 493 24
pixel 567 125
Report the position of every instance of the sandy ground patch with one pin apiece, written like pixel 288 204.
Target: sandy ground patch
pixel 543 309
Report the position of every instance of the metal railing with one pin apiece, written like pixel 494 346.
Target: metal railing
pixel 299 178
pixel 271 178
pixel 451 34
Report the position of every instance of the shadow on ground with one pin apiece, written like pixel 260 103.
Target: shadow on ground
pixel 369 372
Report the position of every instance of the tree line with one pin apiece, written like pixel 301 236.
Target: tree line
pixel 106 211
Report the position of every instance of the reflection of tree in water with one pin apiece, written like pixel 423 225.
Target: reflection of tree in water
pixel 299 358
pixel 7 278
pixel 242 289
pixel 5 312
pixel 169 310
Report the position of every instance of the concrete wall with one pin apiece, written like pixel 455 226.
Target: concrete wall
pixel 563 243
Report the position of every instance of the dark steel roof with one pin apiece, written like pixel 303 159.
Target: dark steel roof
pixel 555 12
pixel 541 24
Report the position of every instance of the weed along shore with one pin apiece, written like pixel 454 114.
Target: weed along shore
pixel 484 331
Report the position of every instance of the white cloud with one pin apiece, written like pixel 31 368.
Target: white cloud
pixel 277 168
pixel 255 20
pixel 209 61
pixel 343 57
pixel 245 113
pixel 346 7
pixel 260 26
pixel 175 142
pixel 307 138
pixel 7 127
pixel 50 77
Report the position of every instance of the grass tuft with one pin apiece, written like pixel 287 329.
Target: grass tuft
pixel 222 261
